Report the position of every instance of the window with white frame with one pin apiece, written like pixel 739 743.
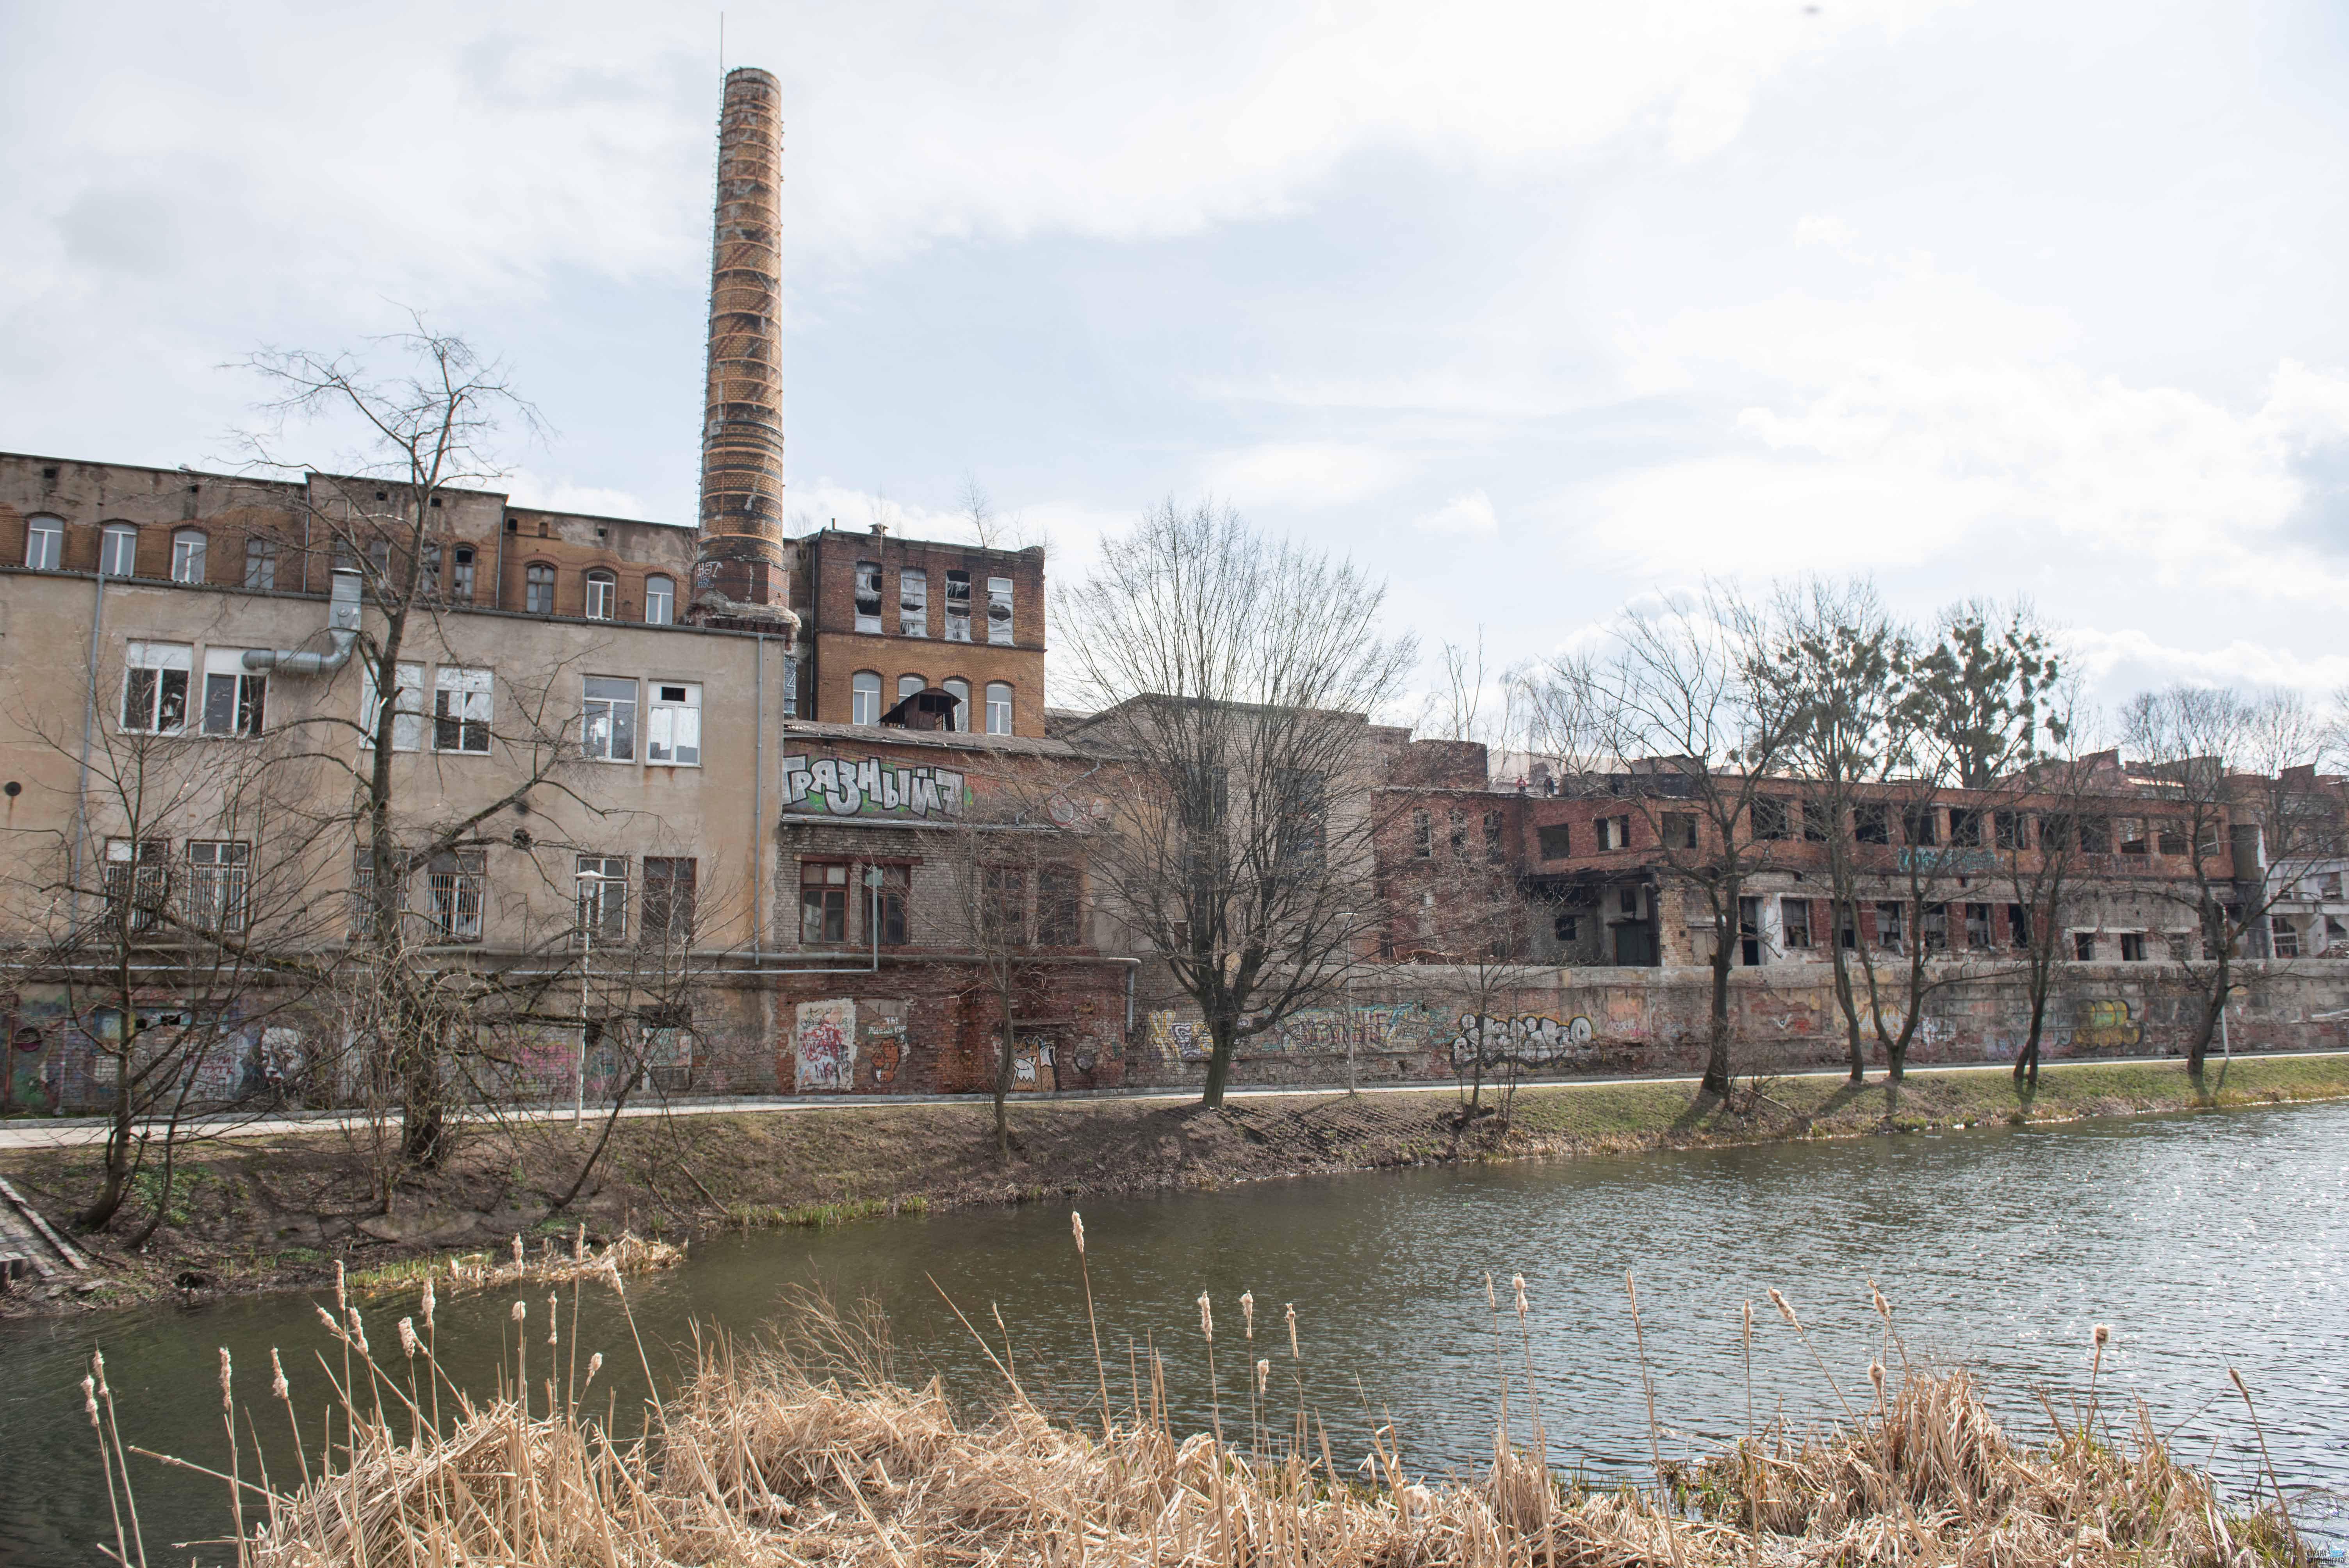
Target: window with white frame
pixel 118 550
pixel 913 602
pixel 602 595
pixel 865 697
pixel 235 698
pixel 44 542
pixel 218 879
pixel 457 885
pixel 673 725
pixel 660 601
pixel 868 595
pixel 155 679
pixel 608 733
pixel 909 685
pixel 999 609
pixel 999 707
pixel 137 881
pixel 603 914
pixel 957 606
pixel 460 710
pixel 261 563
pixel 406 706
pixel 959 689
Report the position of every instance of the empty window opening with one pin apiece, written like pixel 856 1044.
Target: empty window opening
pixel 1422 836
pixel 1965 827
pixel 2018 926
pixel 155 686
pixel 2131 834
pixel 2096 835
pixel 1871 823
pixel 1612 833
pixel 865 697
pixel 118 550
pixel 235 698
pixel 1846 921
pixel 608 731
pixel 1678 830
pixel 1557 841
pixel 1566 928
pixel 2132 946
pixel 1892 927
pixel 1459 825
pixel 1749 933
pixel 2011 830
pixel 2084 947
pixel 1818 821
pixel 957 606
pixel 1770 817
pixel 427 579
pixel 1933 928
pixel 913 604
pixel 2169 839
pixel 44 542
pixel 661 602
pixel 602 595
pixel 1920 825
pixel 460 710
pixel 1003 905
pixel 868 597
pixel 673 726
pixel 1794 921
pixel 1977 928
pixel 999 609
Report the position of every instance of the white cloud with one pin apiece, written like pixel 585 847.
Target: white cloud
pixel 551 492
pixel 1470 514
pixel 1304 473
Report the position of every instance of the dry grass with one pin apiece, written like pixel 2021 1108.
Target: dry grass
pixel 576 1258
pixel 810 1450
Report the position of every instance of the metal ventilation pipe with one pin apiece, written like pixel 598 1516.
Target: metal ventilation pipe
pixel 342 628
pixel 741 574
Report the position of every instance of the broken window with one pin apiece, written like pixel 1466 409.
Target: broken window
pixel 458 884
pixel 2130 833
pixel 2012 829
pixel 407 708
pixel 1965 827
pixel 155 686
pixel 2056 830
pixel 673 724
pixel 999 609
pixel 1496 849
pixel 538 588
pixel 2282 933
pixel 460 585
pixel 1749 932
pixel 1628 900
pixel 1770 817
pixel 427 581
pixel 1977 928
pixel 261 563
pixel 1557 841
pixel 1680 830
pixel 668 909
pixel 957 606
pixel 1612 833
pixel 1871 822
pixel 1459 825
pixel 913 602
pixel 2095 835
pixel 2084 947
pixel 823 900
pixel 868 597
pixel 1920 825
pixel 1818 822
pixel 2170 838
pixel 1933 928
pixel 1422 835
pixel 2018 926
pixel 608 732
pixel 1892 927
pixel 460 710
pixel 1059 906
pixel 2133 947
pixel 959 689
pixel 1565 928
pixel 1846 921
pixel 1794 921
pixel 603 889
pixel 235 698
pixel 137 881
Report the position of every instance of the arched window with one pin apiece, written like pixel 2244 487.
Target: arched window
pixel 538 589
pixel 959 689
pixel 865 697
pixel 999 707
pixel 908 685
pixel 44 542
pixel 661 602
pixel 118 550
pixel 603 595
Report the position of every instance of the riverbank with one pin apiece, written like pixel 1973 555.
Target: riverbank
pixel 279 1212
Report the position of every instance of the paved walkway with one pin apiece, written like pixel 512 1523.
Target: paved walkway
pixel 68 1132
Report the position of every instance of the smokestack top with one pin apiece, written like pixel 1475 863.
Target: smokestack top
pixel 742 575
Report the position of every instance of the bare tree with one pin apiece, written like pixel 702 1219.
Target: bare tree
pixel 2240 773
pixel 1470 702
pixel 1235 676
pixel 1458 920
pixel 992 528
pixel 2041 869
pixel 1689 739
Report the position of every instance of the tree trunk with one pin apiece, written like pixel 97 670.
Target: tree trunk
pixel 1003 1062
pixel 117 1163
pixel 423 1120
pixel 1223 1034
pixel 1716 1057
pixel 2206 1028
pixel 1845 1001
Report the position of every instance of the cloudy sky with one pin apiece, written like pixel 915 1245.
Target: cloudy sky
pixel 1533 309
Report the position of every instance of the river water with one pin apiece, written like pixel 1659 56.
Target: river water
pixel 2204 1241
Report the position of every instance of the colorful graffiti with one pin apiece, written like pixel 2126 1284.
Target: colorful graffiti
pixel 859 786
pixel 824 1045
pixel 1527 1040
pixel 2105 1025
pixel 884 1025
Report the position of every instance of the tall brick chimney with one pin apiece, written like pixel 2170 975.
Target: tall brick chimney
pixel 742 574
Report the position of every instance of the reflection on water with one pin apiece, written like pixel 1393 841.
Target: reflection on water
pixel 2205 1241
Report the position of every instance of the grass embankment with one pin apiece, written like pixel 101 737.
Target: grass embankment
pixel 280 1210
pixel 764 1456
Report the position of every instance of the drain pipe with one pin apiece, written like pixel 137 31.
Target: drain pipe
pixel 342 628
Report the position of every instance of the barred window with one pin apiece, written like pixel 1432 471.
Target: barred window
pixel 218 879
pixel 458 887
pixel 137 881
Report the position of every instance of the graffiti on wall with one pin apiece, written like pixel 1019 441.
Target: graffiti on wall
pixel 866 785
pixel 1527 1040
pixel 824 1043
pixel 884 1025
pixel 2106 1023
